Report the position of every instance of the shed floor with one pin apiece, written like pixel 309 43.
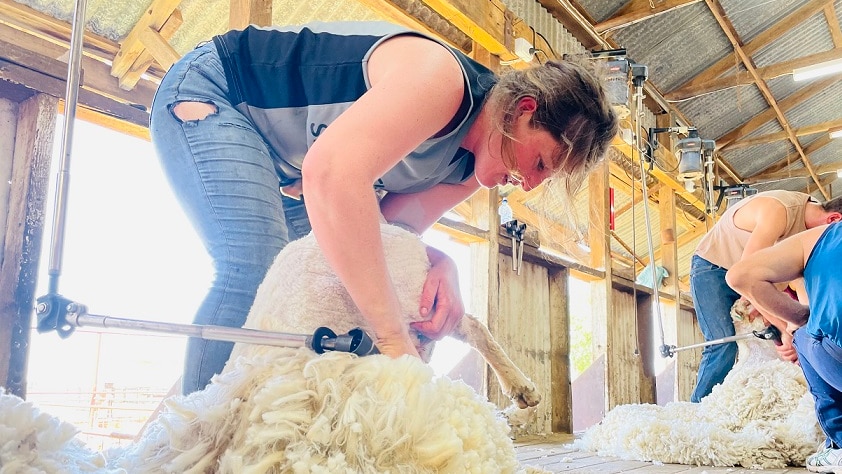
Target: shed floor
pixel 553 454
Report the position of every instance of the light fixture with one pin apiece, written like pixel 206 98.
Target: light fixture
pixel 839 173
pixel 816 70
pixel 835 132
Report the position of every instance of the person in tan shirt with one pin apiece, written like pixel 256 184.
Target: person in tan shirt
pixel 752 224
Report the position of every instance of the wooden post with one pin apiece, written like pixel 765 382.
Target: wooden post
pixel 249 12
pixel 560 390
pixel 33 130
pixel 601 291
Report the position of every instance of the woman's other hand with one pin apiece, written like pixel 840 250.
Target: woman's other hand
pixel 441 300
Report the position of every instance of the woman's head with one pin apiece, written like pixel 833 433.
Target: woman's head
pixel 569 103
pixel 557 117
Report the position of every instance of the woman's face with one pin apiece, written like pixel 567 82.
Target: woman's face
pixel 533 150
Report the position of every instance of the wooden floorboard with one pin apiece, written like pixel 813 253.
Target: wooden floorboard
pixel 555 453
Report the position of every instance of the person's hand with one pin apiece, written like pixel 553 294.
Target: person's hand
pixel 396 345
pixel 441 301
pixel 786 351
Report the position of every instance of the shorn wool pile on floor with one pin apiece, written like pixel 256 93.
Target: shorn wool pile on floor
pixel 761 416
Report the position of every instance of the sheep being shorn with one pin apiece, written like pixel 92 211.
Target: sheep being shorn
pixel 289 410
pixel 760 417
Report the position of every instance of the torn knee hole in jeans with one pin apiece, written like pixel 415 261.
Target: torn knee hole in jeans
pixel 193 111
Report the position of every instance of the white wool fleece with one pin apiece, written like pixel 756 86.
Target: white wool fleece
pixel 760 417
pixel 334 413
pixel 33 442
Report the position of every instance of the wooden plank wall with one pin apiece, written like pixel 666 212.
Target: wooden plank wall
pixel 32 128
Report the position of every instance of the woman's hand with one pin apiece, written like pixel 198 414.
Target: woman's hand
pixel 396 345
pixel 441 300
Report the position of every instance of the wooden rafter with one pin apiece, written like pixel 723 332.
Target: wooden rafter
pixel 778 136
pixel 799 173
pixel 249 12
pixel 485 23
pixel 132 46
pixel 761 40
pixel 742 78
pixel 154 52
pixel 28 59
pixel 785 162
pixel 770 114
pixel 416 15
pixel 833 25
pixel 731 33
pixel 638 10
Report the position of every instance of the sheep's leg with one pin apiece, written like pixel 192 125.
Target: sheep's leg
pixel 515 384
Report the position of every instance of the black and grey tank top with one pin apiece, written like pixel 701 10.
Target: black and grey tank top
pixel 293 82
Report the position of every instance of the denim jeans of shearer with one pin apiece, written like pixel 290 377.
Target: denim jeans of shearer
pixel 821 359
pixel 221 172
pixel 712 299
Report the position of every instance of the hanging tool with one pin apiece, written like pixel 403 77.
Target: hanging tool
pixel 771 333
pixel 71 315
pixel 516 231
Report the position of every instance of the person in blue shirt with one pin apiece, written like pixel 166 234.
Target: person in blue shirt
pixel 816 327
pixel 354 121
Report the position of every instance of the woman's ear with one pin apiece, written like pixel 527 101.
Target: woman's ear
pixel 527 104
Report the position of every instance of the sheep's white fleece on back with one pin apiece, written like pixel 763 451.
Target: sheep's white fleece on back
pixel 761 417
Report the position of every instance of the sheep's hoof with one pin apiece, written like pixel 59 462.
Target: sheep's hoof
pixel 525 395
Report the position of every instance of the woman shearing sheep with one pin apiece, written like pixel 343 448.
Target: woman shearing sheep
pixel 340 114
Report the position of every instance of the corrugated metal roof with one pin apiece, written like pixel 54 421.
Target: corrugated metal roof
pixel 752 17
pixel 811 36
pixel 717 113
pixel 750 160
pixel 822 107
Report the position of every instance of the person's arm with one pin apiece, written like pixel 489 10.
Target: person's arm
pixel 755 277
pixel 417 87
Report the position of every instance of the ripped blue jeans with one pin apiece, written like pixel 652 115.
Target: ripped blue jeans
pixel 221 171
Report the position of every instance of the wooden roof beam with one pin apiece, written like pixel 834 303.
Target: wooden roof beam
pixel 243 13
pixel 833 25
pixel 763 39
pixel 638 10
pixel 770 114
pixel 719 13
pixel 489 23
pixel 799 173
pixel 157 49
pixel 416 15
pixel 778 136
pixel 784 163
pixel 743 78
pixel 131 47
